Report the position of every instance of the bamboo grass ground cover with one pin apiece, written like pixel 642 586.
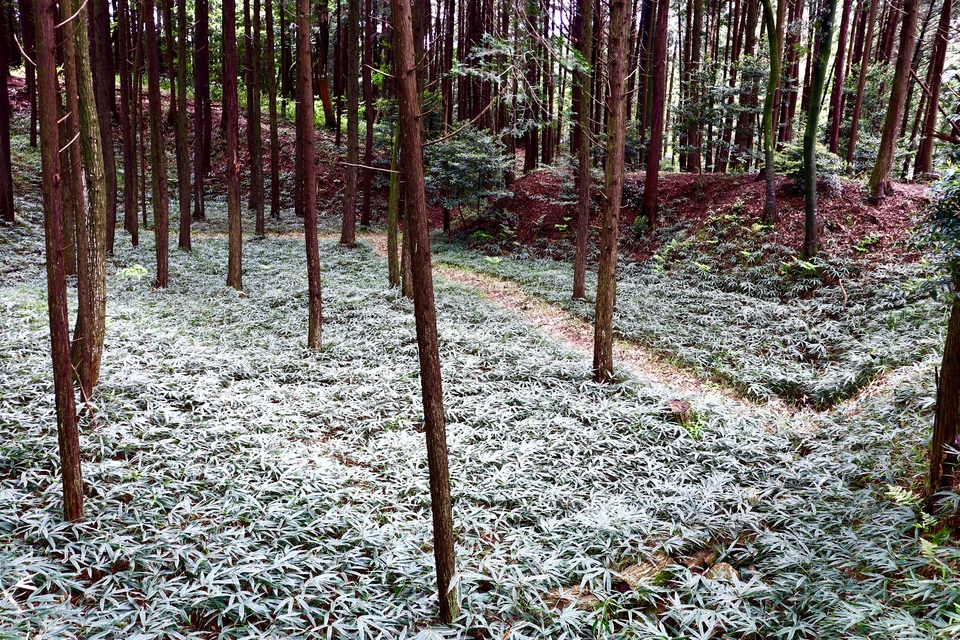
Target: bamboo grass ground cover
pixel 240 486
pixel 817 350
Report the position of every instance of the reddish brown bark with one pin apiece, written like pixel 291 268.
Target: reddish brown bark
pixel 232 125
pixel 651 183
pixel 307 172
pixel 616 133
pixel 425 313
pixel 67 434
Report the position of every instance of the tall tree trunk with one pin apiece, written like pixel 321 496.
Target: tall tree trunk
pixel 836 96
pixel 285 58
pixel 274 120
pixel 425 313
pixel 127 124
pixel 6 168
pixel 67 433
pixel 770 214
pixel 447 82
pixel 139 70
pixel 248 82
pixel 307 172
pixel 406 273
pixel 924 164
pixel 368 112
pixel 104 86
pixel 348 232
pixel 693 132
pixel 254 125
pixel 946 422
pixel 651 184
pixel 183 144
pixel 616 133
pixel 201 106
pixel 583 137
pixel 824 35
pixel 27 32
pixel 339 71
pixel 92 228
pixel 158 156
pixel 861 83
pixel 880 176
pixel 393 207
pixel 232 126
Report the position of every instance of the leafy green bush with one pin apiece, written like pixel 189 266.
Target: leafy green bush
pixel 465 169
pixel 789 163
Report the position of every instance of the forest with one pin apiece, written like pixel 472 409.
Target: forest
pixel 478 319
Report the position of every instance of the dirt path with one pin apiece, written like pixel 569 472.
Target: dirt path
pixel 577 335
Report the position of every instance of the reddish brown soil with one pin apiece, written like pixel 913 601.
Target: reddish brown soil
pixel 847 220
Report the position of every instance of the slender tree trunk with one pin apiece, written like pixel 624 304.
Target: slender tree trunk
pixel 824 35
pixel 880 176
pixel 348 232
pixel 139 66
pixel 67 433
pixel 447 82
pixel 651 183
pixel 232 126
pixel 693 132
pixel 92 226
pixel 69 204
pixel 76 204
pixel 946 422
pixel 167 63
pixel 248 82
pixel 104 86
pixel 201 106
pixel 616 133
pixel 393 206
pixel 254 127
pixel 584 137
pixel 339 71
pixel 836 97
pixel 861 84
pixel 307 172
pixel 323 46
pixel 285 58
pixel 6 167
pixel 368 112
pixel 27 32
pixel 158 156
pixel 425 313
pixel 924 164
pixel 127 124
pixel 770 214
pixel 274 120
pixel 183 144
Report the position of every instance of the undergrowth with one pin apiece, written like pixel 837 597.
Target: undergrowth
pixel 241 486
pixel 769 324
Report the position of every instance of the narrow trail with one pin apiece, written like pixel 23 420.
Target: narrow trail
pixel 577 335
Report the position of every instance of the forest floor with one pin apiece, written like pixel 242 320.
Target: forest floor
pixel 754 472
